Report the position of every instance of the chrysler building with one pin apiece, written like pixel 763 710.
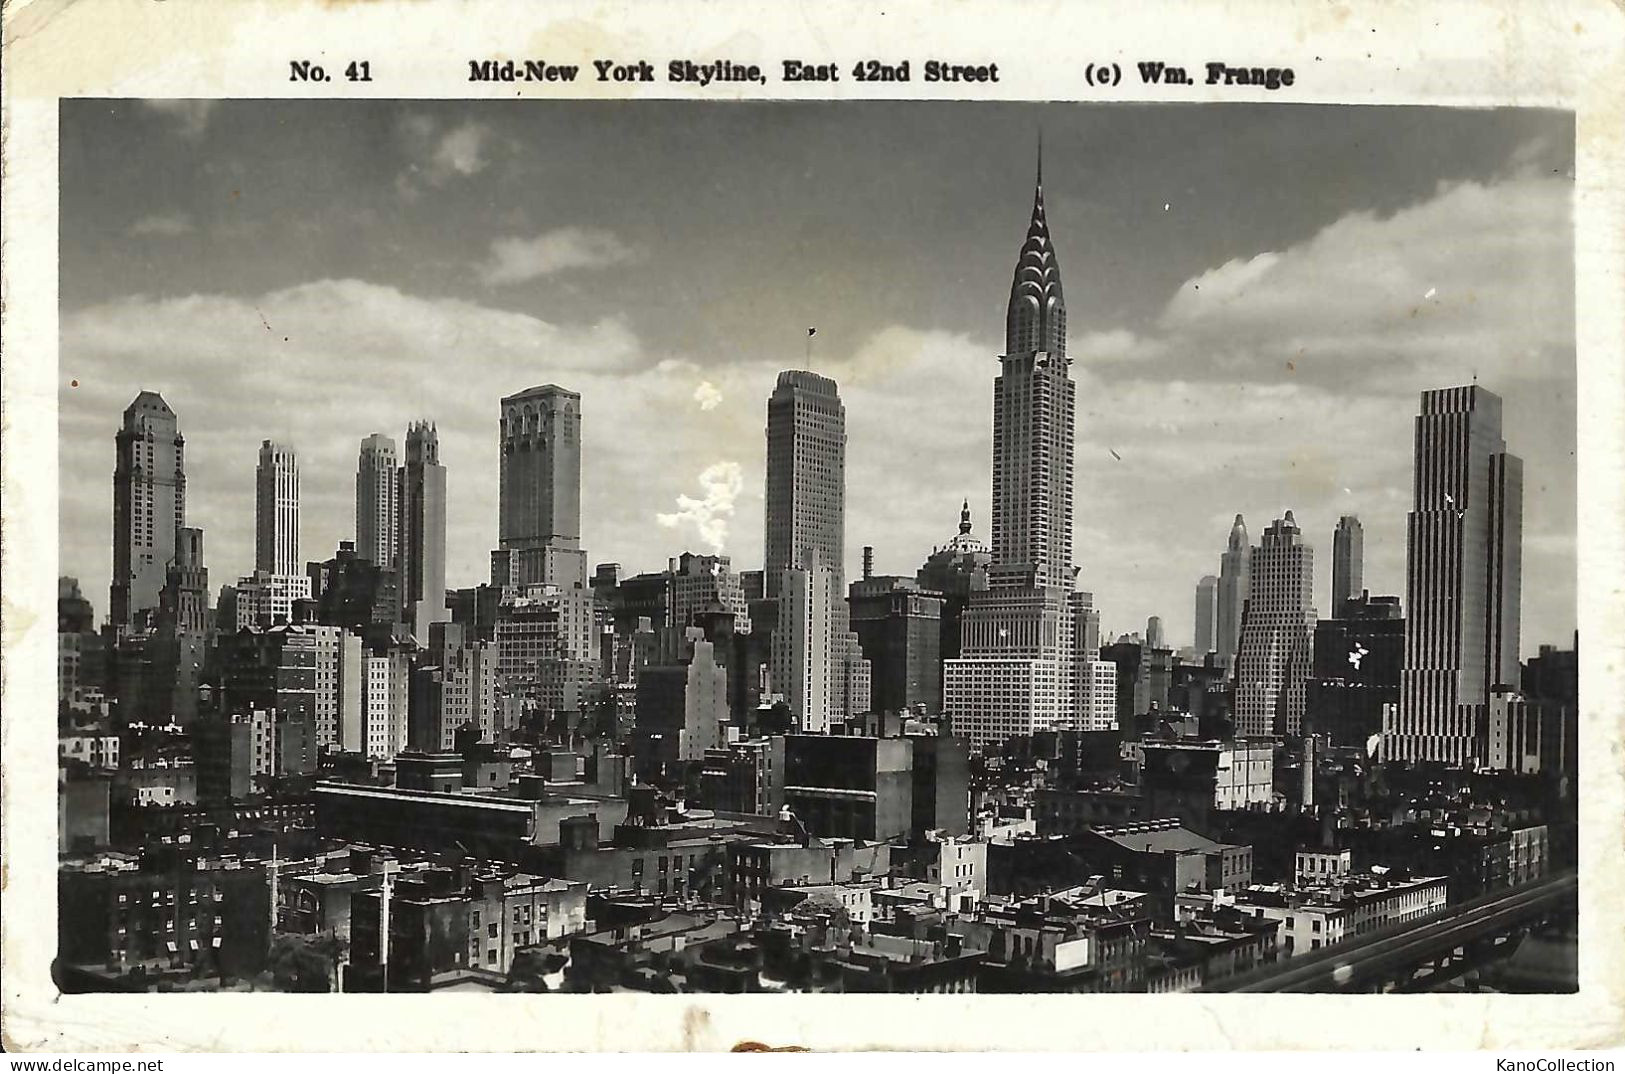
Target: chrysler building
pixel 1017 671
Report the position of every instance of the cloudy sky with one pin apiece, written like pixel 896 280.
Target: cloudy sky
pixel 1256 294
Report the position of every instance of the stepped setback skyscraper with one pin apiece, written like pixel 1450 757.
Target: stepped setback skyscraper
pixel 276 510
pixel 422 529
pixel 1348 563
pixel 1463 576
pixel 149 505
pixel 804 552
pixel 806 477
pixel 266 596
pixel 1233 584
pixel 1017 672
pixel 539 514
pixel 376 506
pixel 1277 633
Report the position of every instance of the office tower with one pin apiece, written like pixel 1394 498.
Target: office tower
pixel 454 684
pixel 1017 669
pixel 1463 577
pixel 1357 660
pixel 276 511
pixel 1094 679
pixel 806 477
pixel 700 583
pixel 173 656
pixel 376 509
pixel 898 624
pixel 539 516
pixel 267 596
pixel 1153 633
pixel 805 532
pixel 1233 586
pixel 1273 658
pixel 1348 563
pixel 149 506
pixel 422 528
pixel 1207 614
pixel 681 708
pixel 184 603
pixel 800 654
pixel 385 705
pixel 356 593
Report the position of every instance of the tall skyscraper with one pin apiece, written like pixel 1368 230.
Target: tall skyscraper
pixel 276 511
pixel 376 506
pixel 1463 577
pixel 539 517
pixel 1273 658
pixel 1018 668
pixel 1207 614
pixel 149 505
pixel 267 596
pixel 422 529
pixel 1348 563
pixel 806 477
pixel 805 531
pixel 1233 584
pixel 1153 633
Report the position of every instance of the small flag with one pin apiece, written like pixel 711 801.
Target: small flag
pixel 811 332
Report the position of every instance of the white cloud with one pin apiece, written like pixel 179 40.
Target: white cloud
pixel 707 395
pixel 515 260
pixel 710 513
pixel 1476 280
pixel 190 117
pixel 436 155
pixel 460 150
pixel 162 225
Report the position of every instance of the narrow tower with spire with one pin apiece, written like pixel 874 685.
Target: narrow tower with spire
pixel 1018 669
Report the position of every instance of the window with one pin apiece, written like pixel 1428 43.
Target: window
pixel 492 930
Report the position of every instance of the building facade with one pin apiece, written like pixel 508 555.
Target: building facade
pixel 149 505
pixel 1463 576
pixel 1207 614
pixel 377 538
pixel 1234 580
pixel 1016 672
pixel 422 530
pixel 1348 562
pixel 1273 660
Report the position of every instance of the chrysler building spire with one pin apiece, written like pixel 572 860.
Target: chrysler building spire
pixel 1037 315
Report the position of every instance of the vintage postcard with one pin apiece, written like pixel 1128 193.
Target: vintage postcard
pixel 924 526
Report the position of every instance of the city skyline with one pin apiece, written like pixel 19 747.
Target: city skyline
pixel 1299 437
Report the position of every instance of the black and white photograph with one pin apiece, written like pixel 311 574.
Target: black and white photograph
pixel 816 547
pixel 684 530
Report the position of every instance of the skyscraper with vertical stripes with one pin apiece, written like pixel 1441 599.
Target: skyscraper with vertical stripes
pixel 1273 655
pixel 1018 671
pixel 149 505
pixel 816 661
pixel 422 529
pixel 376 510
pixel 276 511
pixel 1348 562
pixel 1463 577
